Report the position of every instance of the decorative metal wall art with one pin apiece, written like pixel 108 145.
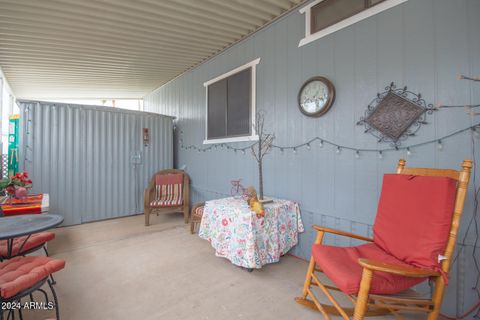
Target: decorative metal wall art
pixel 395 114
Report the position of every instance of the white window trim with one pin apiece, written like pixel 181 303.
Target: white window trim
pixel 253 136
pixel 309 37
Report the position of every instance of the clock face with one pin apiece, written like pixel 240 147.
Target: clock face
pixel 316 96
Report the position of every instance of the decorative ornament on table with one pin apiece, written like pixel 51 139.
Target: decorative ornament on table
pixel 237 191
pixel 395 114
pixel 252 200
pixel 260 149
pixel 16 186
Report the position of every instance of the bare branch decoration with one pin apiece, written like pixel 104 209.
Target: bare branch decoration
pixel 261 148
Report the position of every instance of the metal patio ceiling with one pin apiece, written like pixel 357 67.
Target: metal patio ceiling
pixel 55 49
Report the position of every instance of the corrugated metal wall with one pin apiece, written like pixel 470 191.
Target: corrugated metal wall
pixel 86 157
pixel 423 44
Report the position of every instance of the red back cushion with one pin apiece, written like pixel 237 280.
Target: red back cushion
pixel 167 179
pixel 414 217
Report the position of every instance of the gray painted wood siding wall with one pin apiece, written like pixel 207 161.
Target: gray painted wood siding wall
pixel 423 44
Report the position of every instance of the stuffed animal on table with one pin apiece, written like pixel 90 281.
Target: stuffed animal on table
pixel 252 200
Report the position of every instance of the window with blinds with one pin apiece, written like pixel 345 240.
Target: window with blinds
pixel 329 12
pixel 324 17
pixel 231 105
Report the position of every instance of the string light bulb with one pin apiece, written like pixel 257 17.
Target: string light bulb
pixel 380 154
pixel 338 150
pixel 243 151
pixel 475 132
pixel 320 144
pixel 439 145
pixel 409 153
pixel 308 146
pixel 295 150
pixel 357 154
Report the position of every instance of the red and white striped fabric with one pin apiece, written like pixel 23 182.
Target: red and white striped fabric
pixel 168 190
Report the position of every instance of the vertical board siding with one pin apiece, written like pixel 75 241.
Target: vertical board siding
pixel 82 157
pixel 423 44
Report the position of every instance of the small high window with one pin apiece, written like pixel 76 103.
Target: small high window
pixel 323 17
pixel 231 105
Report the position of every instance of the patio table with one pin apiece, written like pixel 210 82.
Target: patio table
pixel 236 233
pixel 26 225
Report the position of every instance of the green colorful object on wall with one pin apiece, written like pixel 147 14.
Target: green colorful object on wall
pixel 14 121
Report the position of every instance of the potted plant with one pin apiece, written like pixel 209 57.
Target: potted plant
pixel 17 185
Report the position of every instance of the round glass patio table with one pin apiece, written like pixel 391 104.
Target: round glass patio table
pixel 26 225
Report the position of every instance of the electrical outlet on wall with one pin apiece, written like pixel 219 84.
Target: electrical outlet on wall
pixel 136 157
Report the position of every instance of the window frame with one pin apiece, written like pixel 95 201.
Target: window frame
pixel 364 14
pixel 253 135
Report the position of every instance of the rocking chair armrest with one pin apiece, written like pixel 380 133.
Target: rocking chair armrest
pixel 400 270
pixel 341 233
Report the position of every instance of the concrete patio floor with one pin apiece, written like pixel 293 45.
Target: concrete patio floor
pixel 119 269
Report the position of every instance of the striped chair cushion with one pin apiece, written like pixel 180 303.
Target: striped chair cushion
pixel 168 190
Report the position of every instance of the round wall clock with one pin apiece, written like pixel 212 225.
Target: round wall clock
pixel 316 96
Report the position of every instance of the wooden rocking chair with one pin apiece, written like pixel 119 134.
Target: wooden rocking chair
pixel 415 232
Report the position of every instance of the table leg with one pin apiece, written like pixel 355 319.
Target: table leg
pixel 23 244
pixel 9 247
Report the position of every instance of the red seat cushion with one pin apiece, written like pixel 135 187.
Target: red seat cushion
pixel 414 218
pixel 340 264
pixel 21 273
pixel 168 190
pixel 35 240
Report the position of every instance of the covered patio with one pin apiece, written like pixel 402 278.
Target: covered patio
pixel 270 159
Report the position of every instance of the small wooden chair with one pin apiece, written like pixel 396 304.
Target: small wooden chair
pixel 168 191
pixel 415 232
pixel 196 216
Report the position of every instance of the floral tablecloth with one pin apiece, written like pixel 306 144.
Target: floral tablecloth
pixel 236 233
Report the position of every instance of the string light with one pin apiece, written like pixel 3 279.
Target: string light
pixel 475 129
